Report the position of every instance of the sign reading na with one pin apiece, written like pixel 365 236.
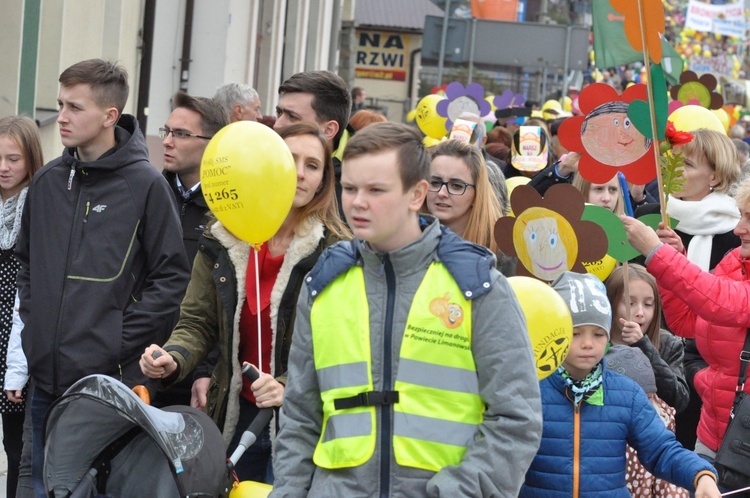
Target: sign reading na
pixel 381 55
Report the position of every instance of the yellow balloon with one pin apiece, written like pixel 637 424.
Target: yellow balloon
pixel 694 117
pixel 429 121
pixel 550 327
pixel 723 117
pixel 411 116
pixel 250 489
pixel 249 179
pixel 602 268
pixel 567 104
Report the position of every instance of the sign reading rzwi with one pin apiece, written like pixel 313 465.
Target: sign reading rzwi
pixel 381 55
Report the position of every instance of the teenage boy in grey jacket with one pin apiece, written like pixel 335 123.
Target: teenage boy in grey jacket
pixel 410 371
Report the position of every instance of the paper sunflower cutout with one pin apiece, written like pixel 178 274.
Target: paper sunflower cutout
pixel 653 24
pixel 639 111
pixel 545 233
pixel 509 99
pixel 606 138
pixel 459 100
pixel 692 88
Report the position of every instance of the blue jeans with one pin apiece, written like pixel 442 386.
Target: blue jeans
pixel 40 403
pixel 255 464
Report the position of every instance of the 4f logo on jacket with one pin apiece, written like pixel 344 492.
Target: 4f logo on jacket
pixel 99 208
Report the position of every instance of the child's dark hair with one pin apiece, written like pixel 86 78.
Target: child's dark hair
pixel 108 82
pixel 413 159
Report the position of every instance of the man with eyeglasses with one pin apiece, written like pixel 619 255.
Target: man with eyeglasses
pixel 190 126
pixel 185 136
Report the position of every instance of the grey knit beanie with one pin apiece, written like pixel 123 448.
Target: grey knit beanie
pixel 587 299
pixel 632 362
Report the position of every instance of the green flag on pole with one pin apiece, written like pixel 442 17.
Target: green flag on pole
pixel 612 49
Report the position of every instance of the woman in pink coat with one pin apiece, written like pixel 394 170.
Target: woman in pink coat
pixel 710 307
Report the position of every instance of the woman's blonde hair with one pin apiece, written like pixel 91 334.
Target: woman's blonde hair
pixel 485 210
pixel 720 153
pixel 742 194
pixel 585 187
pixel 25 132
pixel 323 205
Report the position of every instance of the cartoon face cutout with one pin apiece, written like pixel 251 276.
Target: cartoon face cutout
pixel 550 242
pixel 609 137
pixel 451 315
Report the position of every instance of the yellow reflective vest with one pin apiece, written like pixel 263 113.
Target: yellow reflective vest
pixel 439 409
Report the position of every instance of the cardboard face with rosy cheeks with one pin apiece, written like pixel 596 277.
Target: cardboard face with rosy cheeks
pixel 609 137
pixel 551 244
pixel 606 137
pixel 548 233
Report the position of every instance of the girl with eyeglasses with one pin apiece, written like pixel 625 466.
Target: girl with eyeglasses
pixel 460 194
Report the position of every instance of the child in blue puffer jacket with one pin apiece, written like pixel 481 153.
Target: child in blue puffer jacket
pixel 591 413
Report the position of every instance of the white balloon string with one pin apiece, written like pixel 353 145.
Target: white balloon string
pixel 257 303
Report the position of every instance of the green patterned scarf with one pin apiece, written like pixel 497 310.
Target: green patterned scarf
pixel 586 389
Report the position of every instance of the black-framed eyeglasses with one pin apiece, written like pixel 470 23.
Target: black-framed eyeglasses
pixel 178 134
pixel 454 187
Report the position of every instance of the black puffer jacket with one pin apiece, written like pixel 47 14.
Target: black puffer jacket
pixel 103 267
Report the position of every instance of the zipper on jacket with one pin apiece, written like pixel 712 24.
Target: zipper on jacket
pixel 55 352
pixel 86 214
pixel 70 177
pixel 576 449
pixel 385 410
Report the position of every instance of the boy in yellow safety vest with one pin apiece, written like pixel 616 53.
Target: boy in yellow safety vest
pixel 410 371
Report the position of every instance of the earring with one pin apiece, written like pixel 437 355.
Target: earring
pixel 710 188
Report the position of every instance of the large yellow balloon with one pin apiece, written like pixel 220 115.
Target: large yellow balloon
pixel 250 489
pixel 429 121
pixel 723 117
pixel 249 179
pixel 694 117
pixel 550 326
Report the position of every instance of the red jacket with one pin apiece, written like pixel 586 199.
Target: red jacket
pixel 715 310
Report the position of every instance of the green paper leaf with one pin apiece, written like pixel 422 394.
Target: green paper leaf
pixel 672 166
pixel 618 245
pixel 652 220
pixel 639 112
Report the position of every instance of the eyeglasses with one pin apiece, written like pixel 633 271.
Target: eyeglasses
pixel 454 187
pixel 178 134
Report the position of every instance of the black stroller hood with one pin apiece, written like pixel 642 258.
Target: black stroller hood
pixel 177 451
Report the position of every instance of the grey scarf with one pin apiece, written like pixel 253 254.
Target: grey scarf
pixel 10 213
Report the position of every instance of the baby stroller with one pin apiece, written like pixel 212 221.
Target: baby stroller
pixel 102 440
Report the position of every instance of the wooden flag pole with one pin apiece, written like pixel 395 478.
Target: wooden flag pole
pixel 652 115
